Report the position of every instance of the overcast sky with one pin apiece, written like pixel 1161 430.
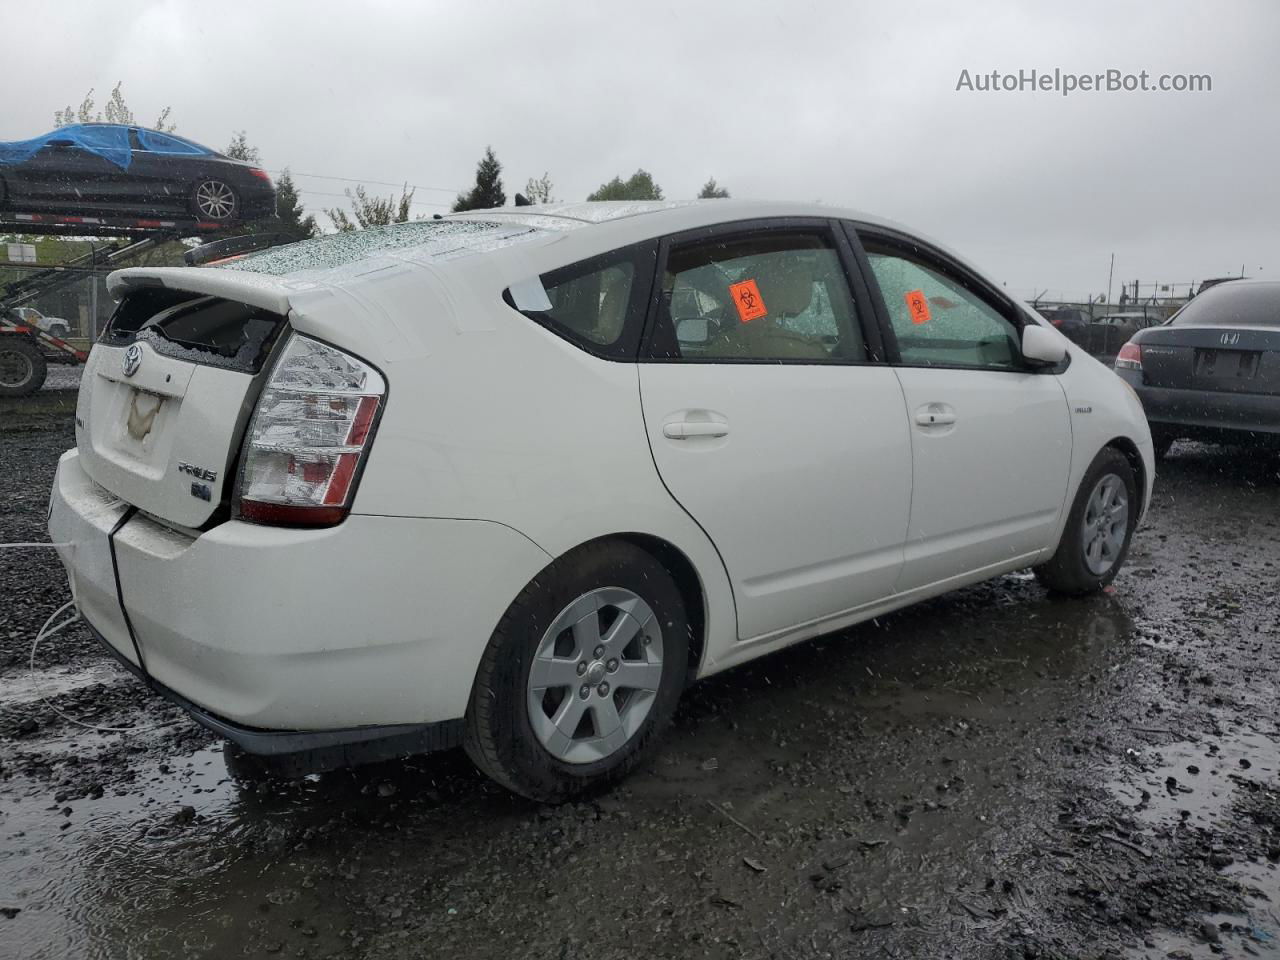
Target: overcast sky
pixel 853 104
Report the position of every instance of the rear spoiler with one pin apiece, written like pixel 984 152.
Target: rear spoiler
pixel 255 289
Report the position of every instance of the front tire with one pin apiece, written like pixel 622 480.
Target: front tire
pixel 581 675
pixel 1099 528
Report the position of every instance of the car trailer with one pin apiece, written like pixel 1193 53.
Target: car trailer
pixel 26 351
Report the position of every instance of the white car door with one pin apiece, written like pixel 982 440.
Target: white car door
pixel 770 425
pixel 990 434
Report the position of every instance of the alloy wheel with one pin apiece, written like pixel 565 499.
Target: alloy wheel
pixel 215 200
pixel 595 675
pixel 1105 525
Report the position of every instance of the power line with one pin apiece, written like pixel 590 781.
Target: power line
pixel 322 193
pixel 380 183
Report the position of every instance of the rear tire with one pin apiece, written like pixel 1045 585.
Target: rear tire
pixel 594 652
pixel 1099 528
pixel 214 200
pixel 22 366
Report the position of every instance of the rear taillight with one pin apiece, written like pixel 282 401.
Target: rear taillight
pixel 309 436
pixel 1129 357
pixel 260 174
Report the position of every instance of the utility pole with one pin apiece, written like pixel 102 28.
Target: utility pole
pixel 1110 274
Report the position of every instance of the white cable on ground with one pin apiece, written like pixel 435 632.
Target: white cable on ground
pixel 44 633
pixel 34 546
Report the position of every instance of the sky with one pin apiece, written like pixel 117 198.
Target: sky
pixel 852 104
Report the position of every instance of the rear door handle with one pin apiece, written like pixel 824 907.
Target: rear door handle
pixel 684 429
pixel 935 415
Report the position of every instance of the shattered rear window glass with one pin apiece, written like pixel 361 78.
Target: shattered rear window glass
pixel 429 239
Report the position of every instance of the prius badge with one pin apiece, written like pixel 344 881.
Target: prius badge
pixel 132 360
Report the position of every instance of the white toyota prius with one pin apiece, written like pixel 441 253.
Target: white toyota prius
pixel 512 479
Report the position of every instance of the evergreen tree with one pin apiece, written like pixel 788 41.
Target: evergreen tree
pixel 488 189
pixel 289 219
pixel 712 191
pixel 639 186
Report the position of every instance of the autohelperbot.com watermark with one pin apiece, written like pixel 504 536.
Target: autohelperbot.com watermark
pixel 1066 82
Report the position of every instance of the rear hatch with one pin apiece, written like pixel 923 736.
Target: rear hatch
pixel 1219 359
pixel 167 393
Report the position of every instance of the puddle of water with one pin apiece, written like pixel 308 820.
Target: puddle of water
pixel 82 878
pixel 1195 777
pixel 1260 932
pixel 1204 798
pixel 27 687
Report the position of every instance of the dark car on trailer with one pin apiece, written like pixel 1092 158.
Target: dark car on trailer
pixel 108 169
pixel 1212 372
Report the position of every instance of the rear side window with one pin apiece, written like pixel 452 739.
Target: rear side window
pixel 597 304
pixel 766 297
pixel 153 142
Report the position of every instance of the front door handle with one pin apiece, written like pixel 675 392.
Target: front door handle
pixel 935 415
pixel 684 429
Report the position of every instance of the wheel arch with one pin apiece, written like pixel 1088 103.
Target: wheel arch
pixel 1131 453
pixel 692 591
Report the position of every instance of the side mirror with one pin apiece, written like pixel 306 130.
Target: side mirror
pixel 692 330
pixel 1042 346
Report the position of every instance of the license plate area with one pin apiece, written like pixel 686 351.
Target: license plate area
pixel 137 427
pixel 1226 364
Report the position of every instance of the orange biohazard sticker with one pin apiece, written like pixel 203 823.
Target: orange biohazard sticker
pixel 746 297
pixel 918 305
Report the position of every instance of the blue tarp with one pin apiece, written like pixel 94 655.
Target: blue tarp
pixel 107 140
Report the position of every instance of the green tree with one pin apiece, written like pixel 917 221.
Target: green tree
pixel 488 189
pixel 639 186
pixel 539 190
pixel 117 111
pixel 712 191
pixel 289 218
pixel 369 211
pixel 239 149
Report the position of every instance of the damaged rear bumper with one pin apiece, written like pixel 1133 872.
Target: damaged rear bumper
pixel 285 640
pixel 325 749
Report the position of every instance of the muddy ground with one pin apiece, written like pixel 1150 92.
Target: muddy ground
pixel 993 774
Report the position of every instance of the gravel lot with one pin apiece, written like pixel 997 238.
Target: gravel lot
pixel 993 774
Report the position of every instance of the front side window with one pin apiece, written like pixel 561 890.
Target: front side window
pixel 936 320
pixel 768 297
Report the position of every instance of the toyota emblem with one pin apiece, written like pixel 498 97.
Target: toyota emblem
pixel 132 360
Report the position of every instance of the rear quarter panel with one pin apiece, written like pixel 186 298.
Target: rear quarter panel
pixel 491 417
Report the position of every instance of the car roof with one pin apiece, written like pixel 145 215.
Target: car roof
pixel 536 239
pixel 668 215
